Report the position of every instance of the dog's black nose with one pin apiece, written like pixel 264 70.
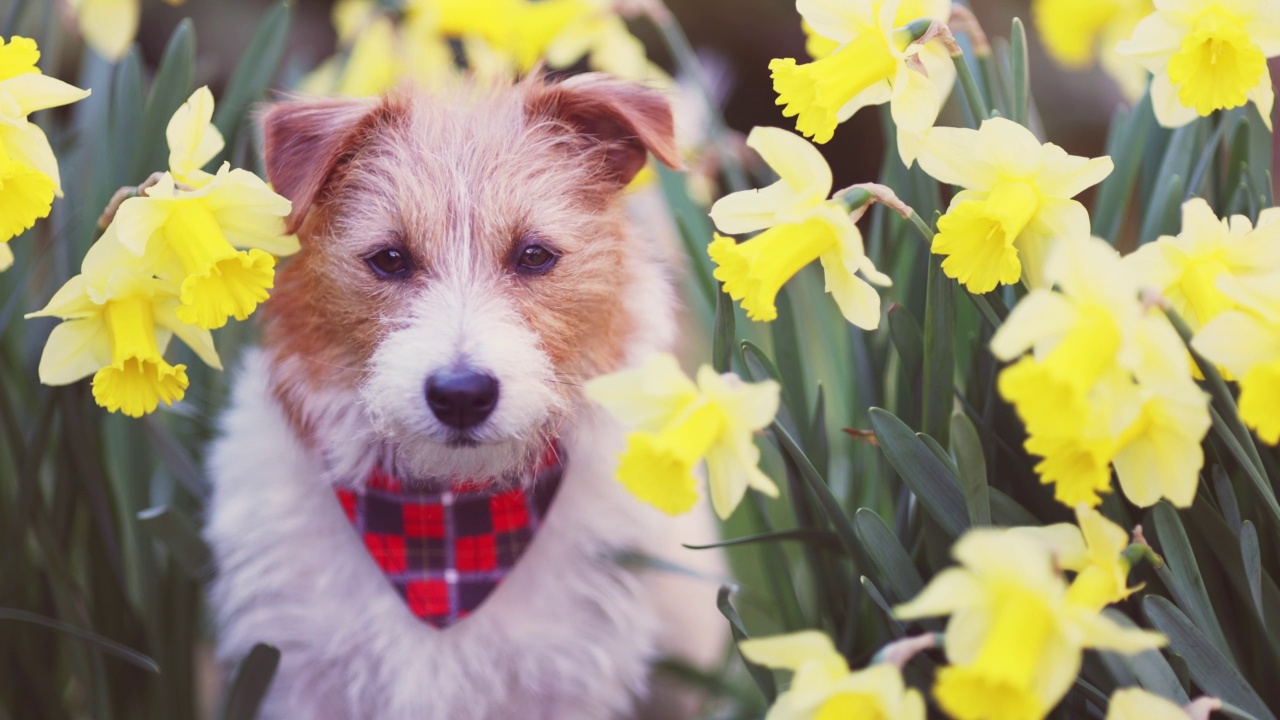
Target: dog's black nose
pixel 462 398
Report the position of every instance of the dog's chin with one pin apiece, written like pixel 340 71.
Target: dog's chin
pixel 465 455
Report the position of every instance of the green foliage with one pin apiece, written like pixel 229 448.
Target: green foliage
pixel 102 569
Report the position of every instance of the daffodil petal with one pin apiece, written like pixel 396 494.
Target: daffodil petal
pixel 789 652
pixel 950 155
pixel 1237 341
pixel 1169 110
pixel 859 302
pixel 1038 315
pixel 948 590
pixel 75 349
pixel 1065 176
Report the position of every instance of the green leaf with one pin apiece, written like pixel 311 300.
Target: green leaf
pixel 1149 669
pixel 752 352
pixel 1126 150
pixel 892 562
pixel 179 535
pixel 762 676
pixel 254 71
pixel 939 353
pixel 1021 67
pixel 821 538
pixel 972 464
pixel 1182 575
pixel 171 88
pixel 126 114
pixel 904 329
pixel 1163 215
pixel 877 598
pixel 110 647
pixel 922 471
pixel 1226 496
pixel 695 230
pixel 1251 554
pixel 1210 669
pixel 830 505
pixel 1007 512
pixel 723 334
pixel 253 678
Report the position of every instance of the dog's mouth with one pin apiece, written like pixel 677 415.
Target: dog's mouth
pixel 461 440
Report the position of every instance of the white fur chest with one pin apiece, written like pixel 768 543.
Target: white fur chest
pixel 567 634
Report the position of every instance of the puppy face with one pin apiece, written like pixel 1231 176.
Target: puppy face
pixel 464 265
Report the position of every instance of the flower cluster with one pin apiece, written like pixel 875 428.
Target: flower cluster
pixel 867 52
pixel 1107 383
pixel 188 253
pixel 1018 628
pixel 379 49
pixel 28 170
pixel 676 423
pixel 800 225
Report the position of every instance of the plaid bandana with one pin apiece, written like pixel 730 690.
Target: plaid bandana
pixel 445 551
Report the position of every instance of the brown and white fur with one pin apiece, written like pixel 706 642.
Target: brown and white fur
pixel 458 180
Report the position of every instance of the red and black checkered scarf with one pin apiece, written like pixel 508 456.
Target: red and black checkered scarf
pixel 446 551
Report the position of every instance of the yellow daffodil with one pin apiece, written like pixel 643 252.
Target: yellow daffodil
pixel 1015 204
pixel 1107 384
pixel 1014 639
pixel 1207 55
pixel 200 231
pixel 119 319
pixel 382 52
pixel 109 26
pixel 1134 703
pixel 29 178
pixel 800 226
pixel 876 60
pixel 6 257
pixel 824 688
pixel 1075 32
pixel 1093 549
pixel 1187 269
pixel 676 423
pixel 599 34
pixel 1247 343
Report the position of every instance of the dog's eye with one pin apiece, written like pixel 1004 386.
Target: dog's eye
pixel 535 260
pixel 389 263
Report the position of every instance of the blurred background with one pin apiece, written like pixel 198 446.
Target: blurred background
pixel 736 39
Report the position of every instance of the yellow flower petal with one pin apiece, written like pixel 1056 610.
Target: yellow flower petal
pixel 6 257
pixel 108 26
pixel 1137 704
pixel 647 397
pixel 1260 401
pixel 804 183
pixel 26 195
pixel 790 652
pixel 193 140
pixel 136 387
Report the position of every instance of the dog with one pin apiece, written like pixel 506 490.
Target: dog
pixel 467 263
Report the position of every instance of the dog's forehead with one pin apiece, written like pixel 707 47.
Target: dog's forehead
pixel 470 168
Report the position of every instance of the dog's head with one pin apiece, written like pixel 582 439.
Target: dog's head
pixel 465 264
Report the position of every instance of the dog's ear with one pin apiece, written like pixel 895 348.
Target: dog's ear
pixel 626 119
pixel 303 141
